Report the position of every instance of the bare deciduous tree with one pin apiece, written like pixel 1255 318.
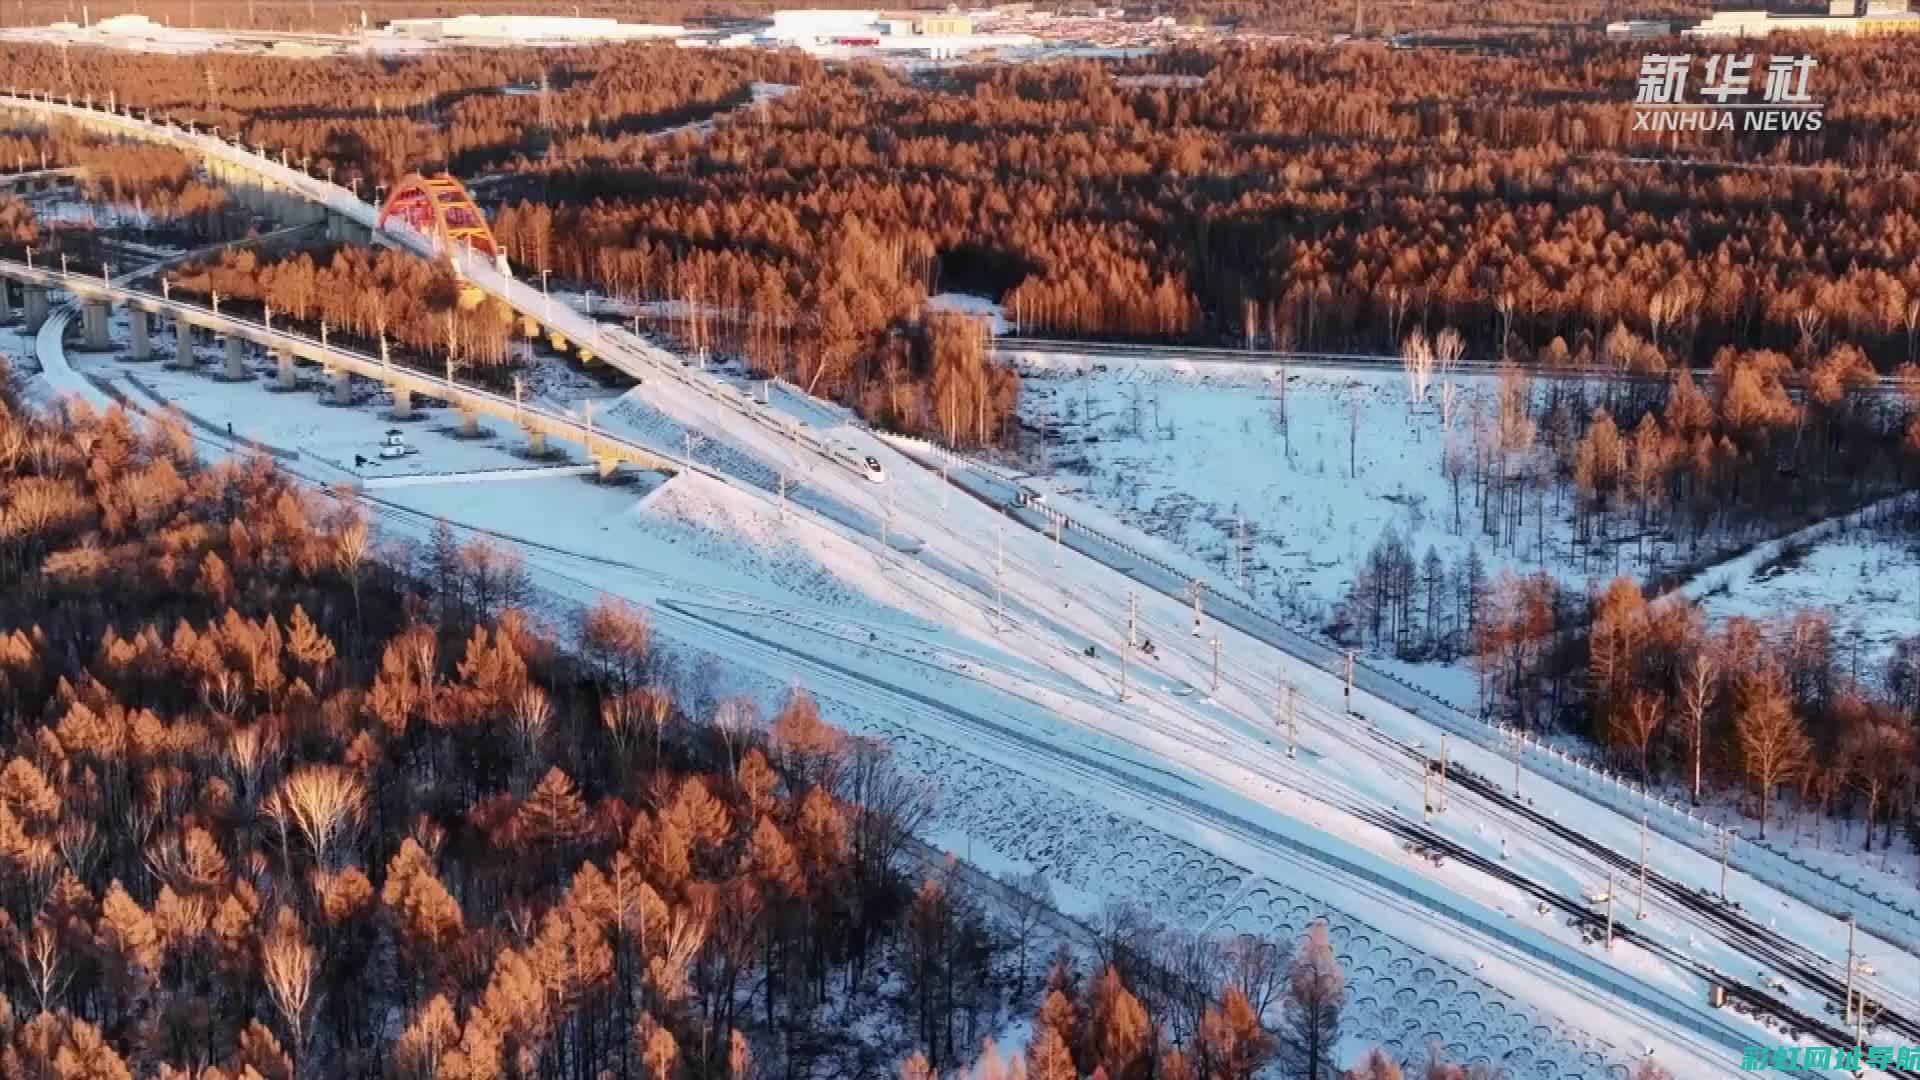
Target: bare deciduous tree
pixel 1698 686
pixel 324 803
pixel 1416 360
pixel 287 965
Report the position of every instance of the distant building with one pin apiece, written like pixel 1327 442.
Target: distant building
pixel 1848 18
pixel 803 26
pixel 949 25
pixel 524 29
pixel 1159 82
pixel 1639 28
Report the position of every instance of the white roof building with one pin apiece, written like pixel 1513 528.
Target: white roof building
pixel 799 24
pixel 526 29
pixel 1841 20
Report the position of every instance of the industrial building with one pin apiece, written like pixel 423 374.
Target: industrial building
pixel 810 26
pixel 1639 28
pixel 1850 18
pixel 951 25
pixel 827 24
pixel 524 30
pixel 937 34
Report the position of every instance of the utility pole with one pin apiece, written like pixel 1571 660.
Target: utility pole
pixel 1293 731
pixel 1132 611
pixel 1216 664
pixel 1852 926
pixel 1516 762
pixel 1609 910
pixel 783 496
pixel 1726 849
pixel 1056 530
pixel 999 574
pixel 1127 648
pixel 1642 912
pixel 1443 772
pixel 1426 788
pixel 1349 681
pixel 1196 607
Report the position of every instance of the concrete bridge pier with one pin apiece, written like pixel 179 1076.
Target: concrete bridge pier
pixel 93 325
pixel 236 365
pixel 342 387
pixel 557 340
pixel 469 423
pixel 36 307
pixel 285 376
pixel 140 332
pixel 183 357
pixel 536 443
pixel 402 404
pixel 6 301
pixel 344 230
pixel 607 464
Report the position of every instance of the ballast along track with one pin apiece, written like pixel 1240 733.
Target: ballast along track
pixel 1797 1023
pixel 1737 928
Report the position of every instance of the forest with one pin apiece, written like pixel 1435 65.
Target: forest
pixel 1752 291
pixel 806 232
pixel 1500 194
pixel 1767 444
pixel 1775 712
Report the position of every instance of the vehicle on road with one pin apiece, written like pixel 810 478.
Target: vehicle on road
pixel 394 445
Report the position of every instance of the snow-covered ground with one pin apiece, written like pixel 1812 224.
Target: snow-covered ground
pixel 1869 585
pixel 1203 459
pixel 94 215
pixel 968 304
pixel 1018 730
pixel 802 603
pixel 1304 479
pixel 998 676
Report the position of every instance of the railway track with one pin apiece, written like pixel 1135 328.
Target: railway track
pixel 1794 1023
pixel 1731 924
pixel 1011 349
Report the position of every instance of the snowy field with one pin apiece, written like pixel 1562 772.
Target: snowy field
pixel 1870 585
pixel 17 346
pixel 1302 470
pixel 1180 803
pixel 806 605
pixel 979 307
pixel 1202 459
